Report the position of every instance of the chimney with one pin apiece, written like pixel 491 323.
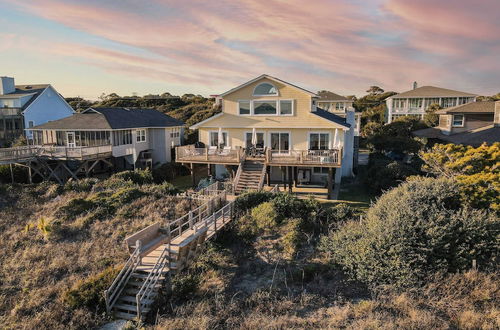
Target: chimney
pixel 496 119
pixel 415 85
pixel 7 85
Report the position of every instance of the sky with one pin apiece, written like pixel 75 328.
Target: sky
pixel 85 48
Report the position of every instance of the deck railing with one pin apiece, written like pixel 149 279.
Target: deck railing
pixel 18 153
pixel 56 152
pixel 330 157
pixel 216 155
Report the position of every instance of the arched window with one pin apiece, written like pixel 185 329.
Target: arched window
pixel 265 89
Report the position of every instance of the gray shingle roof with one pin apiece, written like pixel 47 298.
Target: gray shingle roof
pixel 23 90
pixel 473 107
pixel 330 96
pixel 431 91
pixel 331 117
pixel 488 134
pixel 112 118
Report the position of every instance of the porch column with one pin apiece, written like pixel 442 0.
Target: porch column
pixel 268 175
pixel 295 175
pixel 290 173
pixel 330 183
pixel 209 170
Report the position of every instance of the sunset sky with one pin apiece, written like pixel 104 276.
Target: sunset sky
pixel 199 46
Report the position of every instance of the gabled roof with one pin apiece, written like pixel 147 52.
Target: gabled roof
pixel 472 107
pixel 26 90
pixel 113 118
pixel 330 96
pixel 270 78
pixel 331 117
pixel 431 91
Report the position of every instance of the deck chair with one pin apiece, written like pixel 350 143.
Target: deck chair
pixel 226 151
pixel 212 150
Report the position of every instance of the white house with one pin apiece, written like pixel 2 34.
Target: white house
pixel 25 106
pixel 416 101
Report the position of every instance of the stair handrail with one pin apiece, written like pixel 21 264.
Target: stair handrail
pixel 151 281
pixel 115 289
pixel 237 177
pixel 262 176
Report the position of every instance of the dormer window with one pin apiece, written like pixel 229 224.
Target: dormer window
pixel 265 89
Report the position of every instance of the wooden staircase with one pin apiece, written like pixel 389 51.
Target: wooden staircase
pixel 250 176
pixel 156 257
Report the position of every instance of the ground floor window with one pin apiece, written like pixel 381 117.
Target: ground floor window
pixel 141 135
pixel 260 140
pixel 214 139
pixel 319 141
pixel 280 141
pixel 458 120
pixel 320 170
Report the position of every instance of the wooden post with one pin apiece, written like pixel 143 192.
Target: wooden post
pixel 11 174
pixel 30 177
pixel 289 170
pixel 330 183
pixel 193 179
pixel 268 175
pixel 295 175
pixel 209 170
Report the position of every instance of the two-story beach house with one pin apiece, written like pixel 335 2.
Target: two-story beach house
pixel 414 102
pixel 470 124
pixel 273 131
pixel 25 106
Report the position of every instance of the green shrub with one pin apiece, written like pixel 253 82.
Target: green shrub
pixel 246 227
pixel 125 195
pixel 89 292
pixel 185 285
pixel 82 185
pixel 293 236
pixel 290 206
pixel 74 207
pixel 139 177
pixel 414 231
pixel 249 200
pixel 336 215
pixel 165 188
pixel 265 216
pixel 383 173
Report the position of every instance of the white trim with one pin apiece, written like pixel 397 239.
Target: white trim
pixel 99 129
pixel 249 107
pixel 270 78
pixel 265 114
pixel 55 92
pixel 262 83
pixel 290 145
pixel 453 120
pixel 250 132
pixel 319 132
pixel 138 133
pixel 195 126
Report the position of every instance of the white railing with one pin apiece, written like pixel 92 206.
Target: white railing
pixel 17 153
pixel 216 155
pixel 112 294
pixel 308 157
pixel 276 189
pixel 237 176
pixel 24 152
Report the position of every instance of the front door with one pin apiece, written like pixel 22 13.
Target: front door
pixel 71 139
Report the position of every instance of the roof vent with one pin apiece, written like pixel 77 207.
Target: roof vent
pixel 415 85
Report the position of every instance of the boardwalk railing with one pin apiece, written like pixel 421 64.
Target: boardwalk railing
pixel 56 152
pixel 215 155
pixel 112 294
pixel 201 217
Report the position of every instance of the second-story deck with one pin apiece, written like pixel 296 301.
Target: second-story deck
pixel 235 156
pixel 24 153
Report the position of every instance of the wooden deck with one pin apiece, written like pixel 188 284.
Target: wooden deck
pixel 235 156
pixel 25 153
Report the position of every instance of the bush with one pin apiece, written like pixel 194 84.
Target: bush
pixel 383 173
pixel 293 237
pixel 166 188
pixel 265 216
pixel 249 200
pixel 20 174
pixel 125 196
pixel 168 171
pixel 89 293
pixel 74 207
pixel 290 206
pixel 139 177
pixel 336 215
pixel 414 231
pixel 82 185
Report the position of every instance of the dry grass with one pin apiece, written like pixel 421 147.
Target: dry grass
pixel 36 271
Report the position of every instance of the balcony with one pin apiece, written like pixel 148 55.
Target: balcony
pixel 9 155
pixel 8 112
pixel 235 156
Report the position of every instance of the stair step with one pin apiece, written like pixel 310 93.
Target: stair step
pixel 125 316
pixel 131 300
pixel 131 308
pixel 144 276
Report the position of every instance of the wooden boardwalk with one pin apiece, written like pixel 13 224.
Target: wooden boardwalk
pixel 161 250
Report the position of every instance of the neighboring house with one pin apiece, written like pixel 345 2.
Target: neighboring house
pixel 414 102
pixel 338 105
pixel 25 106
pixel 278 130
pixel 130 135
pixel 470 124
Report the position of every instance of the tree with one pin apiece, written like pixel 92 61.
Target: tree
pixel 396 136
pixel 431 118
pixel 477 170
pixel 414 231
pixel 375 90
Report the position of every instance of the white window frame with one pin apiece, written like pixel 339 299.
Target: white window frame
pixel 293 107
pixel 217 132
pixel 453 121
pixel 250 132
pixel 289 141
pixel 276 94
pixel 31 123
pixel 274 115
pixel 340 106
pixel 319 132
pixel 249 106
pixel 140 136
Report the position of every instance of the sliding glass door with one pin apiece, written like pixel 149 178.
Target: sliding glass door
pixel 280 142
